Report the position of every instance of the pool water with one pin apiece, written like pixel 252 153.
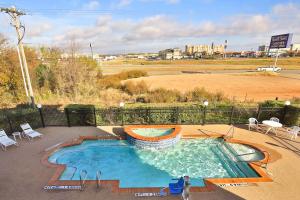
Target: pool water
pixel 134 167
pixel 153 132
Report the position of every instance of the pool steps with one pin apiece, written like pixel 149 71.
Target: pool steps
pixel 235 163
pixel 241 163
pixel 227 163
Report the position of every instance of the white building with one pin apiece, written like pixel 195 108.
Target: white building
pixel 171 54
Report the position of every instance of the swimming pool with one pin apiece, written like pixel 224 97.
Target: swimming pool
pixel 142 168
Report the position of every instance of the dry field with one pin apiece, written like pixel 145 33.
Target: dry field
pixel 238 86
pixel 165 67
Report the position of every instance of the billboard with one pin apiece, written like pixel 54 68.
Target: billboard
pixel 281 41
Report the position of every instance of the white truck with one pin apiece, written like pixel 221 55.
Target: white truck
pixel 269 69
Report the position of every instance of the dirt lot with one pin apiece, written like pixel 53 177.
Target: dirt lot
pixel 251 87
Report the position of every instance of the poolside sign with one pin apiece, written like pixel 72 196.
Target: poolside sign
pixel 62 187
pixel 281 41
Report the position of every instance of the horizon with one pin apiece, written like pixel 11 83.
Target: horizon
pixel 127 26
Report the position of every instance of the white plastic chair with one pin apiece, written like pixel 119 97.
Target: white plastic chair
pixel 5 141
pixel 29 132
pixel 253 123
pixel 274 119
pixel 293 132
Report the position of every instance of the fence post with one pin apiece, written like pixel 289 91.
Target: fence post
pixel 68 118
pixel 176 114
pixel 204 116
pixel 148 114
pixel 95 119
pixel 285 108
pixel 42 117
pixel 258 112
pixel 9 122
pixel 231 115
pixel 122 115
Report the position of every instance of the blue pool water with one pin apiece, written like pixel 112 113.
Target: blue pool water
pixel 153 132
pixel 134 167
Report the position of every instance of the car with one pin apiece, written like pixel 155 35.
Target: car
pixel 269 69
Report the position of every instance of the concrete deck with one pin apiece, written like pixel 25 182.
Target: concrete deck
pixel 22 176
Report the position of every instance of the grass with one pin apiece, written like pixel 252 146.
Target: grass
pixel 229 61
pixel 176 66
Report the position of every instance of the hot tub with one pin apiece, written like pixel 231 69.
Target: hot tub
pixel 153 136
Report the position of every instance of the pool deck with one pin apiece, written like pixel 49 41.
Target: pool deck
pixel 23 176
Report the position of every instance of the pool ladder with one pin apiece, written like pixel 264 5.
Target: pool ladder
pixel 82 178
pixel 98 173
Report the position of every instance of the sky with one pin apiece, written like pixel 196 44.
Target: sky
pixel 125 26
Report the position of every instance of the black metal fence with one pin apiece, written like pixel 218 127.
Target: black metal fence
pixel 53 116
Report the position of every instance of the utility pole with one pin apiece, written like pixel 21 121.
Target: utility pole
pixel 22 70
pixel 92 51
pixel 15 14
pixel 225 47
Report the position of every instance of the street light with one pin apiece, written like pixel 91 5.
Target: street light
pixel 205 103
pixel 39 106
pixel 122 104
pixel 285 109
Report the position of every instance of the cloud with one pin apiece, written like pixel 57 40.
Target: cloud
pixel 123 3
pixel 37 29
pixel 110 34
pixel 172 1
pixel 165 1
pixel 92 5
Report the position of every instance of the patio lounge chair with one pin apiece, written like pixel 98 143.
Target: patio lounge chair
pixel 293 132
pixel 28 132
pixel 253 123
pixel 275 119
pixel 5 141
pixel 176 188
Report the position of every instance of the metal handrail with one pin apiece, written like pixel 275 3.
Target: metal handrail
pixel 98 173
pixel 73 172
pixel 245 154
pixel 82 180
pixel 230 132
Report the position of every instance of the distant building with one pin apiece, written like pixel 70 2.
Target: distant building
pixel 191 50
pixel 263 48
pixel 170 54
pixel 273 52
pixel 295 47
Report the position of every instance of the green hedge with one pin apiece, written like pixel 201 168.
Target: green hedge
pixel 184 114
pixel 90 115
pixel 10 119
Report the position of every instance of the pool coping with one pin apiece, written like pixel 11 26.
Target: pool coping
pixel 175 132
pixel 210 183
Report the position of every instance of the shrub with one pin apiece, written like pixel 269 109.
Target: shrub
pixel 135 88
pixel 162 95
pixel 200 94
pixel 131 74
pixel 110 82
pixel 114 81
pixel 296 100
